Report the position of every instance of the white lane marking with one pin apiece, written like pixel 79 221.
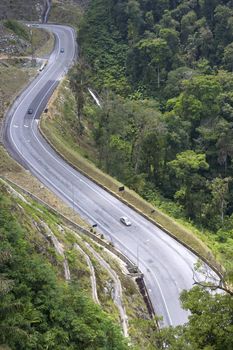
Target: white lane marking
pixel 164 301
pixel 15 126
pixel 158 284
pixel 90 187
pixel 94 219
pixel 63 193
pixel 60 163
pixel 33 87
pixel 99 224
pixel 90 216
pixel 26 126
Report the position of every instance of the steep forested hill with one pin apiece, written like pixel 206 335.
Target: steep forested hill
pixel 171 130
pixel 153 38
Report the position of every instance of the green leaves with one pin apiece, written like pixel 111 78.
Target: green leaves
pixel 210 324
pixel 188 167
pixel 38 310
pixel 171 52
pixel 187 163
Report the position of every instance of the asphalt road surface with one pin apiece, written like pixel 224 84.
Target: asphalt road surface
pixel 166 264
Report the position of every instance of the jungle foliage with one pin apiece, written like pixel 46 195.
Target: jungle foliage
pixel 165 129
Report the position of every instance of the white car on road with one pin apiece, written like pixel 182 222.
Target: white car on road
pixel 125 221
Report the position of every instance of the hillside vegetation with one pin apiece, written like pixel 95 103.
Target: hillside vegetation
pixel 67 11
pixel 21 51
pixel 29 10
pixel 165 130
pixel 39 310
pixel 164 71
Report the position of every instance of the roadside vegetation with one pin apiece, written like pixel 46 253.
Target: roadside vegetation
pixel 13 77
pixel 43 226
pixel 40 309
pixel 19 39
pixel 164 128
pixel 20 48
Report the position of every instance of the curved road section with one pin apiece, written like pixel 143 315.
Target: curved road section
pixel 167 265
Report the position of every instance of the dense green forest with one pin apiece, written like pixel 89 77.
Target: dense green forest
pixel 164 71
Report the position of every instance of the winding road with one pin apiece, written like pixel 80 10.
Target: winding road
pixel 166 264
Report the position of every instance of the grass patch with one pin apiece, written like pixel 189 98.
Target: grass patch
pixel 30 218
pixel 43 42
pixel 135 307
pixel 46 48
pixel 7 164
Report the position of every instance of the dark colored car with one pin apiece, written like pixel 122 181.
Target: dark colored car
pixel 30 111
pixel 62 50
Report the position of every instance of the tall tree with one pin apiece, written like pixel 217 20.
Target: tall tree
pixel 188 168
pixel 79 84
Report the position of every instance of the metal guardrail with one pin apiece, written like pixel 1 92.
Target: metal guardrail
pixel 132 268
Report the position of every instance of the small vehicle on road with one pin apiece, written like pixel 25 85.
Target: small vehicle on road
pixel 125 221
pixel 30 111
pixel 62 50
pixel 42 67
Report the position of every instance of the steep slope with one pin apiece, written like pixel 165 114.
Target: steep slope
pixel 22 9
pixel 41 310
pixel 160 37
